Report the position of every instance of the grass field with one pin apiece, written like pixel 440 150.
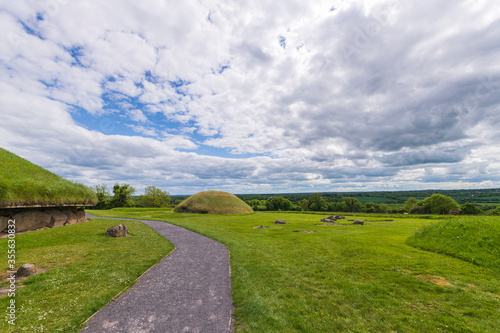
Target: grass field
pixel 84 271
pixel 24 183
pixel 344 278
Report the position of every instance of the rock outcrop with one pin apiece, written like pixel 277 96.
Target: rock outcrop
pixel 27 219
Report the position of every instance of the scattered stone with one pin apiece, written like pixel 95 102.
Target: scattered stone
pixel 307 231
pixel 117 231
pixel 339 217
pixel 359 222
pixel 26 270
pixel 350 220
pixel 328 220
pixel 280 221
pixel 261 227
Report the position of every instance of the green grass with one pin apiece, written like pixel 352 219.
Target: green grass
pixel 344 278
pixel 474 239
pixel 24 183
pixel 213 202
pixel 86 271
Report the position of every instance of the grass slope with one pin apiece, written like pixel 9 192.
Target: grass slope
pixel 87 271
pixel 343 278
pixel 474 239
pixel 24 183
pixel 213 202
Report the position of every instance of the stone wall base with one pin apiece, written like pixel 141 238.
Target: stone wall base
pixel 28 219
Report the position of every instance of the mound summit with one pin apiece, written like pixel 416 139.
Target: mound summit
pixel 213 202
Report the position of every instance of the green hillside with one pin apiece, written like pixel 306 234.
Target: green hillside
pixel 23 183
pixel 213 202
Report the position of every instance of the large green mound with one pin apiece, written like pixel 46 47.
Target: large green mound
pixel 213 202
pixel 23 183
pixel 473 239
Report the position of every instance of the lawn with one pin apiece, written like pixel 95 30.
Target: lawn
pixel 84 271
pixel 343 278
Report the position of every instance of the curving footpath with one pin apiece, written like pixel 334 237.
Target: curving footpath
pixel 188 291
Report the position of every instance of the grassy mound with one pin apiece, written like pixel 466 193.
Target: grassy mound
pixel 473 239
pixel 23 183
pixel 213 202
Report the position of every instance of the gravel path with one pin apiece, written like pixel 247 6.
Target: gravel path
pixel 188 291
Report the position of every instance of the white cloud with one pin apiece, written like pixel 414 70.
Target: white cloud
pixel 368 95
pixel 137 115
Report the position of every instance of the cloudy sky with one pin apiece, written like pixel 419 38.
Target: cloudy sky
pixel 254 96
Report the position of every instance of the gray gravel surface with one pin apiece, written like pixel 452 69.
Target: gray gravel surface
pixel 188 291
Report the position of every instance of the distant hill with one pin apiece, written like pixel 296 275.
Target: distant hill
pixel 23 183
pixel 213 202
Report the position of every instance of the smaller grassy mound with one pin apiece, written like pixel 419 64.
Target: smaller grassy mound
pixel 473 239
pixel 213 202
pixel 23 183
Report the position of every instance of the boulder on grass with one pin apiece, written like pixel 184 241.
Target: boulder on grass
pixel 26 270
pixel 280 221
pixel 359 222
pixel 339 217
pixel 117 231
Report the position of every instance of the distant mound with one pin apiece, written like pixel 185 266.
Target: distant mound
pixel 213 202
pixel 23 183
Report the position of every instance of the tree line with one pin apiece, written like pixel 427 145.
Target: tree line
pixel 123 196
pixel 434 204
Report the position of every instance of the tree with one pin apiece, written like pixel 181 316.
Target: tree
pixel 304 204
pixel 103 196
pixel 439 204
pixel 122 195
pixel 254 203
pixel 352 204
pixel 410 203
pixel 470 209
pixel 154 197
pixel 279 203
pixel 316 202
pixel 494 212
pixel 335 206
